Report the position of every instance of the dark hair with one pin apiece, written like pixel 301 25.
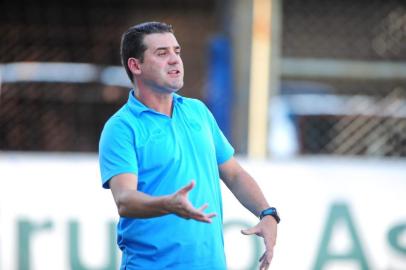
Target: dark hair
pixel 132 41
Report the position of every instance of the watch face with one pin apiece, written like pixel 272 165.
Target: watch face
pixel 270 212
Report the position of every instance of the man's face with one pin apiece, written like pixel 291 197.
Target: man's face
pixel 162 68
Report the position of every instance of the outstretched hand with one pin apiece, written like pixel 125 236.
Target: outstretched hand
pixel 266 228
pixel 180 205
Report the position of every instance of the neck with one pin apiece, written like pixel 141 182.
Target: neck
pixel 160 102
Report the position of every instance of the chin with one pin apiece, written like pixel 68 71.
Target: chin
pixel 176 88
pixel 170 89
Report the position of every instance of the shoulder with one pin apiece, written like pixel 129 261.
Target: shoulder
pixel 119 120
pixel 116 131
pixel 194 104
pixel 199 107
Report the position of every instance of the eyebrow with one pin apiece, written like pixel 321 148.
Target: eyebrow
pixel 165 48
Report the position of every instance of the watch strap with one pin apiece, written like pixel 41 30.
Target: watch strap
pixel 271 211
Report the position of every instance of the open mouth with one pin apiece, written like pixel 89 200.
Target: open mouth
pixel 174 72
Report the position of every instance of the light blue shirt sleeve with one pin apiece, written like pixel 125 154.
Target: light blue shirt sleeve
pixel 224 150
pixel 116 150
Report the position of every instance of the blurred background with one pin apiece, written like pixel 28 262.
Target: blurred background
pixel 324 83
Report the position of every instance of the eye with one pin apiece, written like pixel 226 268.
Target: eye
pixel 162 53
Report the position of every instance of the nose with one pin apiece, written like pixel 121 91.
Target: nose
pixel 174 58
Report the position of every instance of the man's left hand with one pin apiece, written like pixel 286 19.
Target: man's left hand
pixel 266 228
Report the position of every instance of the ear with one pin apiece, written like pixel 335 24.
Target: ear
pixel 134 65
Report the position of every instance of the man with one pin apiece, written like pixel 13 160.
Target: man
pixel 162 155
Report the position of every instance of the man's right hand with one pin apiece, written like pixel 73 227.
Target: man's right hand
pixel 132 203
pixel 179 204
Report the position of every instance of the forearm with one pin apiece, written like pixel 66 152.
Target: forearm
pixel 135 204
pixel 248 193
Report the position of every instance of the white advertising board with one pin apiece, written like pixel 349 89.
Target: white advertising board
pixel 336 214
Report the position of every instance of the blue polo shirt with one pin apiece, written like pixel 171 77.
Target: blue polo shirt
pixel 166 153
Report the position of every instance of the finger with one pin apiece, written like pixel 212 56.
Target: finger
pixel 267 257
pixel 195 213
pixel 188 187
pixel 262 257
pixel 203 217
pixel 203 207
pixel 250 231
pixel 269 244
pixel 264 265
pixel 264 261
pixel 211 215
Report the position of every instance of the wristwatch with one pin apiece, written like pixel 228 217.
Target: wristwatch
pixel 271 211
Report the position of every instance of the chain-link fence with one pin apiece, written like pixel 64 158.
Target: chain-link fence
pixel 49 100
pixel 349 98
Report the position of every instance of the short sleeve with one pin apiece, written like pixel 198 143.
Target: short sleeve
pixel 224 150
pixel 116 150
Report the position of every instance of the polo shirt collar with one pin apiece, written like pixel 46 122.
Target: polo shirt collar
pixel 137 107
